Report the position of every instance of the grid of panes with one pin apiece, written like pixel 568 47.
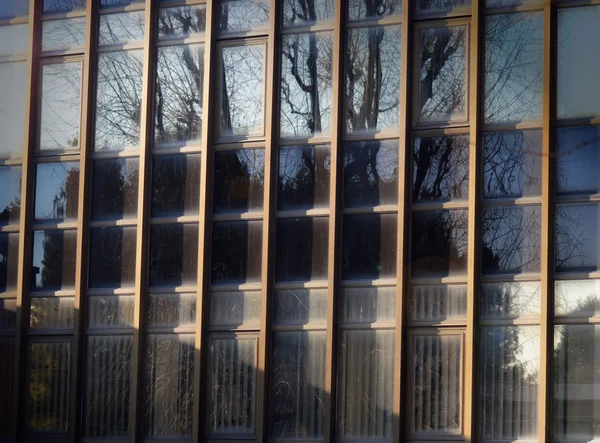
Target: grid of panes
pixel 13 77
pixel 438 241
pixel 576 355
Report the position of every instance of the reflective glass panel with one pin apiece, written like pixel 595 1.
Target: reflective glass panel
pixel 10 197
pixel 576 230
pixel 509 300
pixel 114 3
pixel 361 9
pixel 63 5
pixel 173 255
pixel 51 313
pixel 112 257
pixel 53 260
pixel 232 309
pixel 175 185
pixel 9 260
pixel 437 303
pixel 300 306
pixel 368 305
pixel 7 349
pixel 110 311
pixel 578 160
pixel 63 35
pixel 171 310
pixel 13 82
pixel 181 21
pixel 243 15
pixel 8 316
pixel 115 188
pixel 56 191
pixel 302 12
pixel 236 252
pixel 13 8
pixel 577 298
pixel 426 7
pixel 13 39
pixel 119 29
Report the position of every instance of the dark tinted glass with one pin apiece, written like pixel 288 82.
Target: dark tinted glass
pixel 10 197
pixel 9 260
pixel 439 243
pixel 370 173
pixel 53 260
pixel 369 246
pixel 578 160
pixel 239 180
pixel 173 255
pixel 302 12
pixel 236 252
pixel 441 168
pixel 115 188
pixel 175 184
pixel 576 228
pixel 112 257
pixel 63 5
pixel 302 249
pixel 181 22
pixel 303 177
pixel 56 191
pixel 359 9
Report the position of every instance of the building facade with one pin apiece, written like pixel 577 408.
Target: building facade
pixel 299 220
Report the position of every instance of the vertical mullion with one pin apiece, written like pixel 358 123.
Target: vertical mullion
pixel 142 242
pixel 268 239
pixel 547 223
pixel 86 117
pixel 25 221
pixel 475 88
pixel 201 355
pixel 335 207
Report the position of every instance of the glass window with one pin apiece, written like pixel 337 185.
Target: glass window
pixel 175 185
pixel 361 9
pixel 14 8
pixel 51 313
pixel 179 87
pixel 56 191
pixel 9 259
pixel 578 70
pixel 107 386
pixel 436 384
pixel 301 12
pixel 110 311
pixel 119 100
pixel 441 168
pixel 236 252
pixel 61 99
pixel 232 386
pixel 169 385
pixel 437 303
pixel 63 5
pixel 8 317
pixel 576 231
pixel 13 82
pixel 306 84
pixel 232 309
pixel 49 387
pixel 301 249
pixel 508 383
pixel 369 246
pixel 243 15
pixel 578 160
pixel 238 180
pixel 171 310
pixel 300 306
pixel 62 35
pixel 439 243
pixel 443 74
pixel 442 6
pixel 373 79
pixel 113 3
pixel 512 164
pixel 242 90
pixel 514 52
pixel 115 188
pixel 366 385
pixel 120 29
pixel 577 298
pixel 53 260
pixel 10 197
pixel 173 255
pixel 181 22
pixel 370 173
pixel 298 396
pixel 112 257
pixel 509 300
pixel 13 39
pixel 368 305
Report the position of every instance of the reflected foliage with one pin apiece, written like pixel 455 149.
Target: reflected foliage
pixel 577 298
pixel 119 29
pixel 242 15
pixel 361 9
pixel 51 313
pixel 53 260
pixel 112 257
pixel 115 188
pixel 305 12
pixel 175 185
pixel 439 6
pixel 239 180
pixel 509 300
pixel 56 191
pixel 63 34
pixel 181 21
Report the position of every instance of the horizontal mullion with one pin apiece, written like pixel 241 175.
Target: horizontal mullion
pixel 589 121
pixel 370 136
pixel 177 148
pixel 501 278
pixel 381 209
pixel 280 327
pixel 183 219
pixel 295 213
pixel 43 332
pixel 437 206
pixel 63 15
pixel 242 35
pixel 77 51
pixel 235 287
pixel 107 332
pixel 237 216
pixel 380 282
pixel 185 289
pixel 57 156
pixel 13 58
pixel 11 161
pixel 126 222
pixel 348 326
pixel 297 141
pixel 8 295
pixel 525 321
pixel 173 3
pixel 177 330
pixel 506 127
pixel 63 226
pixel 571 320
pixel 232 145
pixel 104 292
pixel 447 280
pixel 520 201
pixel 130 152
pixel 199 38
pixel 315 284
pixel 125 8
pixel 23 19
pixel 130 46
pixel 584 198
pixel 533 6
pixel 591 275
pixel 363 23
pixel 10 228
pixel 437 324
pixel 49 294
pixel 441 130
pixel 323 26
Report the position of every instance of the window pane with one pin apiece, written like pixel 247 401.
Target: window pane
pixel 578 69
pixel 115 188
pixel 577 298
pixel 301 12
pixel 509 383
pixel 173 255
pixel 119 100
pixel 512 164
pixel 299 306
pixel 298 385
pixel 56 191
pixel 576 394
pixel 513 68
pixel 243 15
pixel 302 246
pixel 13 8
pixel 13 81
pixel 242 90
pixel 368 305
pixel 370 173
pixel 9 260
pixel 436 384
pixel 120 29
pixel 373 55
pixel 236 252
pixel 175 185
pixel 10 197
pixel 110 312
pixel 108 386
pixel 61 96
pixel 442 6
pixel 239 180
pixel 171 310
pixel 369 246
pixel 366 384
pixel 112 257
pixel 439 243
pixel 49 387
pixel 578 160
pixel 441 168
pixel 13 39
pixel 63 34
pixel 53 260
pixel 113 3
pixel 233 384
pixel 181 22
pixel 306 84
pixel 179 87
pixel 63 5
pixel 8 318
pixel 51 313
pixel 437 303
pixel 360 9
pixel 509 300
pixel 169 385
pixel 576 232
pixel 510 239
pixel 442 77
pixel 7 364
pixel 232 309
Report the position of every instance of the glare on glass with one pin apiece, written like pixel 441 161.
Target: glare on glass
pixel 577 298
pixel 509 300
pixel 171 310
pixel 10 197
pixel 13 79
pixel 56 191
pixel 371 9
pixel 51 313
